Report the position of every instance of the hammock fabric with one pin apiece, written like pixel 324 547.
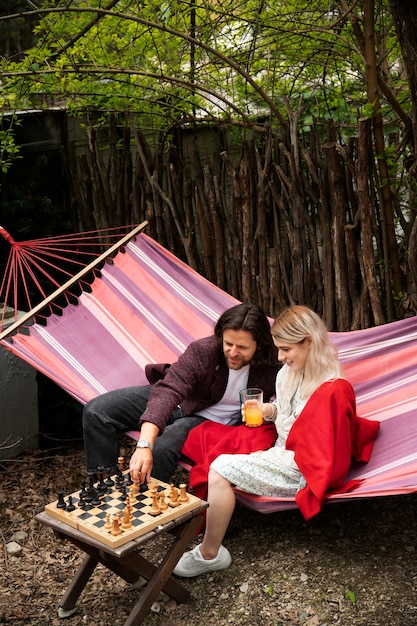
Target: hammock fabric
pixel 147 306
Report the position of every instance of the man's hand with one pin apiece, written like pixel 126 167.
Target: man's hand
pixel 142 459
pixel 141 465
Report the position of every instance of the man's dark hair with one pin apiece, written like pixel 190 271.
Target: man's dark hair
pixel 251 318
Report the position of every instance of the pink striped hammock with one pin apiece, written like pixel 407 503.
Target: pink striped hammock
pixel 147 306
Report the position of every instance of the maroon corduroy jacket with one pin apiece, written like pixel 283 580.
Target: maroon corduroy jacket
pixel 196 381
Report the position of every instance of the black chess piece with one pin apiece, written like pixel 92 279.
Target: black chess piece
pixel 92 496
pixel 89 495
pixel 70 506
pixel 109 481
pixel 61 502
pixel 119 475
pixel 83 491
pixel 95 499
pixel 101 486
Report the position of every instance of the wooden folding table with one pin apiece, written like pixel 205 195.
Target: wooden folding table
pixel 127 562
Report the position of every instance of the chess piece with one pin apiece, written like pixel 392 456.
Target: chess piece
pixel 61 502
pixel 109 482
pixel 95 500
pixel 161 501
pixel 132 493
pixel 108 525
pixel 83 491
pixel 183 493
pixel 126 521
pixel 154 510
pixel 101 486
pixel 134 488
pixel 119 478
pixel 173 497
pixel 123 492
pixel 70 506
pixel 116 530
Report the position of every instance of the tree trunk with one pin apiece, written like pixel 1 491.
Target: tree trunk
pixel 392 272
pixel 354 275
pixel 404 13
pixel 246 225
pixel 338 203
pixel 261 230
pixel 365 207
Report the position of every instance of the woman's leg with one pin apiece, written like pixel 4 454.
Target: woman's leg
pixel 222 501
pixel 211 555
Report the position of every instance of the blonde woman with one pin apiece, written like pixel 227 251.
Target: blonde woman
pixel 318 433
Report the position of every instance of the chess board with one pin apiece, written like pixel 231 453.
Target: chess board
pixel 95 520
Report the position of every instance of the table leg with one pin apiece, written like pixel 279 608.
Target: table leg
pixel 161 577
pixel 78 583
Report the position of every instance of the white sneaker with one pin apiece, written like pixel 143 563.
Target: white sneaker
pixel 192 563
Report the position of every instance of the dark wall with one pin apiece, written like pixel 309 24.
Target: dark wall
pixel 32 192
pixel 33 205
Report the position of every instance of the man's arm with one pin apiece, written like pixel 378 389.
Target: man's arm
pixel 195 365
pixel 168 392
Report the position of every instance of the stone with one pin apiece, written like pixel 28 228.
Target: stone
pixel 13 548
pixel 20 536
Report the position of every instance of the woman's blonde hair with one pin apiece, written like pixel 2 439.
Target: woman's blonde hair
pixel 299 323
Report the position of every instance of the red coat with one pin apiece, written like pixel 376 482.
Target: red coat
pixel 325 438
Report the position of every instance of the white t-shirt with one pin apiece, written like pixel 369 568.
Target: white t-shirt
pixel 227 411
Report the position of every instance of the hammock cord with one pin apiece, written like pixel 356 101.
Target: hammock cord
pixel 36 267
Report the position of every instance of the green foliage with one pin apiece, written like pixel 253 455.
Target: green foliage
pixel 180 61
pixel 9 151
pixel 350 596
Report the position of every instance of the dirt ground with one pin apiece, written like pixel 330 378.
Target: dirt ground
pixel 353 565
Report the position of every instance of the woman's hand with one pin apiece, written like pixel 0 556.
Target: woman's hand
pixel 269 411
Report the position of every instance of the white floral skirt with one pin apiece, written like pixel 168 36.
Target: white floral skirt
pixel 259 475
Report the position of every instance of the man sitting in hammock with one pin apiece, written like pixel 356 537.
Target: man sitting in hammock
pixel 203 384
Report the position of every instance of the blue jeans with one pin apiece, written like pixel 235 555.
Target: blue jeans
pixel 119 411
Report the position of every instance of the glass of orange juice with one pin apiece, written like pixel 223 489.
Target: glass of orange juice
pixel 251 401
